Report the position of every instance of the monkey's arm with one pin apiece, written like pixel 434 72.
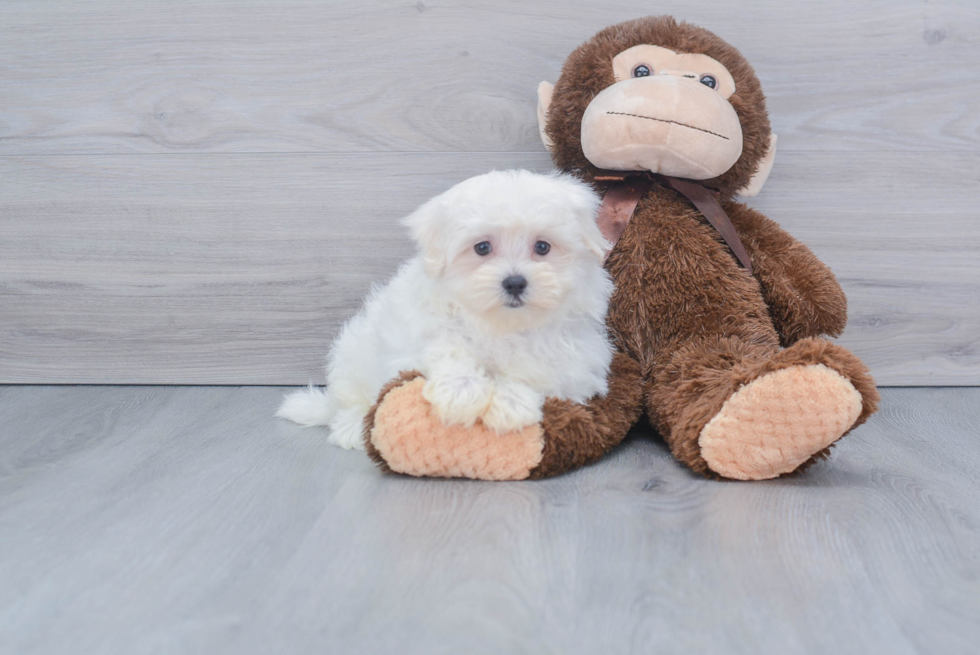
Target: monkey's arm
pixel 576 435
pixel 403 435
pixel 804 297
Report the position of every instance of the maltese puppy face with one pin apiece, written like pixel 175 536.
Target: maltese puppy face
pixel 513 249
pixel 504 306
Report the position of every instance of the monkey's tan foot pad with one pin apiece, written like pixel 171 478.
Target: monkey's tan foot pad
pixel 412 440
pixel 775 423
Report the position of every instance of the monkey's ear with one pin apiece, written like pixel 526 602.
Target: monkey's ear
pixel 765 166
pixel 545 90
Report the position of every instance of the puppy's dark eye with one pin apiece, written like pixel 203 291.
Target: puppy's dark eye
pixel 709 81
pixel 641 71
pixel 483 248
pixel 542 247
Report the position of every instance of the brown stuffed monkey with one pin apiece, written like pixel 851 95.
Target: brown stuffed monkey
pixel 717 312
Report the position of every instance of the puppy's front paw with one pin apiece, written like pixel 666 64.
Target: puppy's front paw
pixel 514 406
pixel 458 399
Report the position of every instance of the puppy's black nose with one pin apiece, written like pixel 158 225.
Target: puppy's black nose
pixel 515 284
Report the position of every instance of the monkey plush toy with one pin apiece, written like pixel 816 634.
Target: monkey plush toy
pixel 717 312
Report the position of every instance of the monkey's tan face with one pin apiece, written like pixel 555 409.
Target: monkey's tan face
pixel 667 113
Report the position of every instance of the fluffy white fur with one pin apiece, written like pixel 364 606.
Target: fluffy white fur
pixel 486 354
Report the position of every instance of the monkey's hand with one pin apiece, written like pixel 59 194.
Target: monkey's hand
pixel 804 297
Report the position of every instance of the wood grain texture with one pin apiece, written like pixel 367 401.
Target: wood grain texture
pixel 176 269
pixel 201 192
pixel 165 520
pixel 109 77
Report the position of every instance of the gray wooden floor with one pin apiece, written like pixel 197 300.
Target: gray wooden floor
pixel 188 520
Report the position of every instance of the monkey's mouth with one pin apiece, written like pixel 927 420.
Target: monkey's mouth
pixel 664 120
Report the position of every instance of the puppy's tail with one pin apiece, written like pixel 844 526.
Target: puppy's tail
pixel 308 407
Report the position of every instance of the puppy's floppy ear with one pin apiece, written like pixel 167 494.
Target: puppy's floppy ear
pixel 597 243
pixel 585 207
pixel 426 225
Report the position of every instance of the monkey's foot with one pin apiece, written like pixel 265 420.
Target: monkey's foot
pixel 773 424
pixel 405 435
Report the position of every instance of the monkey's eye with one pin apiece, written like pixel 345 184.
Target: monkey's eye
pixel 483 248
pixel 709 81
pixel 641 71
pixel 542 247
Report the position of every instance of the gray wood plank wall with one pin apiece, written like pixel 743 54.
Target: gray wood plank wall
pixel 201 192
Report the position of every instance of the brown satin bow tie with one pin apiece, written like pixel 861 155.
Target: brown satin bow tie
pixel 628 188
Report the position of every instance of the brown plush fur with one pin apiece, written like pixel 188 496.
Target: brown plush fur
pixel 691 324
pixel 697 323
pixel 576 435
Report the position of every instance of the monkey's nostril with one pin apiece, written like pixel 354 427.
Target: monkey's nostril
pixel 514 284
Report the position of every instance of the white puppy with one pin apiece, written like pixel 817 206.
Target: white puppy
pixel 504 305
